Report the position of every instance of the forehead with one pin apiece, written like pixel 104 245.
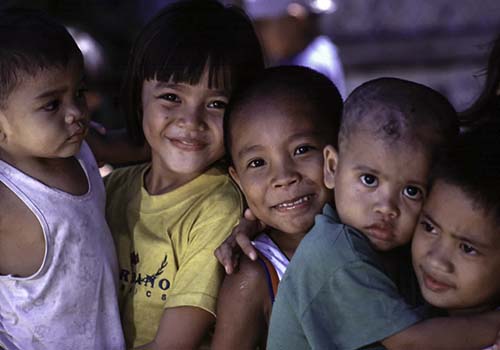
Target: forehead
pixel 272 121
pixel 455 212
pixel 396 161
pixel 31 86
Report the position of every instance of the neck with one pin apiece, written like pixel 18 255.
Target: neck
pixel 159 180
pixel 64 174
pixel 472 310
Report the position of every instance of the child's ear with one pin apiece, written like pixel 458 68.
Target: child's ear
pixel 3 122
pixel 330 156
pixel 234 175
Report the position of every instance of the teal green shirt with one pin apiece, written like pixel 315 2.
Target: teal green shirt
pixel 335 293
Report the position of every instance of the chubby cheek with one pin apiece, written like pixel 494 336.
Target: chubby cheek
pixel 217 138
pixel 418 249
pixel 350 204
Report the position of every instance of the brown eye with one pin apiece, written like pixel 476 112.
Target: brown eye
pixel 256 163
pixel 413 192
pixel 217 104
pixel 369 180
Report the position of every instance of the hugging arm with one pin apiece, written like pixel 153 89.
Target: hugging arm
pixel 239 240
pixel 241 317
pixel 463 332
pixel 181 328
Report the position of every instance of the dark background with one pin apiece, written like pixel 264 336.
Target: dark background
pixel 441 43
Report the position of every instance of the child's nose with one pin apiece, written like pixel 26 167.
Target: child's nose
pixel 284 176
pixel 192 118
pixel 438 257
pixel 76 113
pixel 387 205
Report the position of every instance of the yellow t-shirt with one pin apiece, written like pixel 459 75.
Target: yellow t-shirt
pixel 166 244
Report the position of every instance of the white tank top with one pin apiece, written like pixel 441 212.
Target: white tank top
pixel 70 303
pixel 272 252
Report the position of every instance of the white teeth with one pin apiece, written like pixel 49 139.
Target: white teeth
pixel 288 205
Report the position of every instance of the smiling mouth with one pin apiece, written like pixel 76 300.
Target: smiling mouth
pixel 188 144
pixel 298 203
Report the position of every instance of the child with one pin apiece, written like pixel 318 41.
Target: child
pixel 456 246
pixel 167 216
pixel 62 293
pixel 275 131
pixel 342 289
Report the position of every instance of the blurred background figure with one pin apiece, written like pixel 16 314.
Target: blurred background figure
pixel 289 31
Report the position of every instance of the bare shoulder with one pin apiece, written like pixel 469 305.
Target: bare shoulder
pixel 251 272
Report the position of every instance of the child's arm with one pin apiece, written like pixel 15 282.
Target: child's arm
pixel 241 317
pixel 465 332
pixel 239 240
pixel 181 328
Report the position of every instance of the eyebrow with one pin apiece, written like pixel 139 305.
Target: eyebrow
pixel 52 92
pixel 298 135
pixel 368 169
pixel 429 218
pixel 457 236
pixel 474 242
pixel 57 91
pixel 248 149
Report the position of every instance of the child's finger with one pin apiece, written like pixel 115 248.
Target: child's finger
pixel 98 127
pixel 250 219
pixel 246 246
pixel 223 254
pixel 248 214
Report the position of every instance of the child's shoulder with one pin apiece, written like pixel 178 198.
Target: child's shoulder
pixel 215 187
pixel 249 282
pixel 20 233
pixel 125 177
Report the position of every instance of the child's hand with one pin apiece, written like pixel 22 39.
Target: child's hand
pixel 95 126
pixel 228 252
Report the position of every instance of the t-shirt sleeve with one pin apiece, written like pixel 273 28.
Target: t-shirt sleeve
pixel 357 306
pixel 199 276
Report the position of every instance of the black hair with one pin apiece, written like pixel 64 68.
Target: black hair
pixel 179 42
pixel 310 89
pixel 400 110
pixel 473 165
pixel 30 41
pixel 487 105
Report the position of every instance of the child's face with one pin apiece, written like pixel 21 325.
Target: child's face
pixel 278 164
pixel 456 252
pixel 183 124
pixel 379 188
pixel 46 115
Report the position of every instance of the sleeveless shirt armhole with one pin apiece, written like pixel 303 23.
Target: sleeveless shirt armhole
pixel 271 275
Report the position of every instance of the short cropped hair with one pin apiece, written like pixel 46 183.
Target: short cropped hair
pixel 473 165
pixel 301 85
pixel 400 110
pixel 30 41
pixel 179 42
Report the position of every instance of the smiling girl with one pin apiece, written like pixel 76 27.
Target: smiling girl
pixel 167 216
